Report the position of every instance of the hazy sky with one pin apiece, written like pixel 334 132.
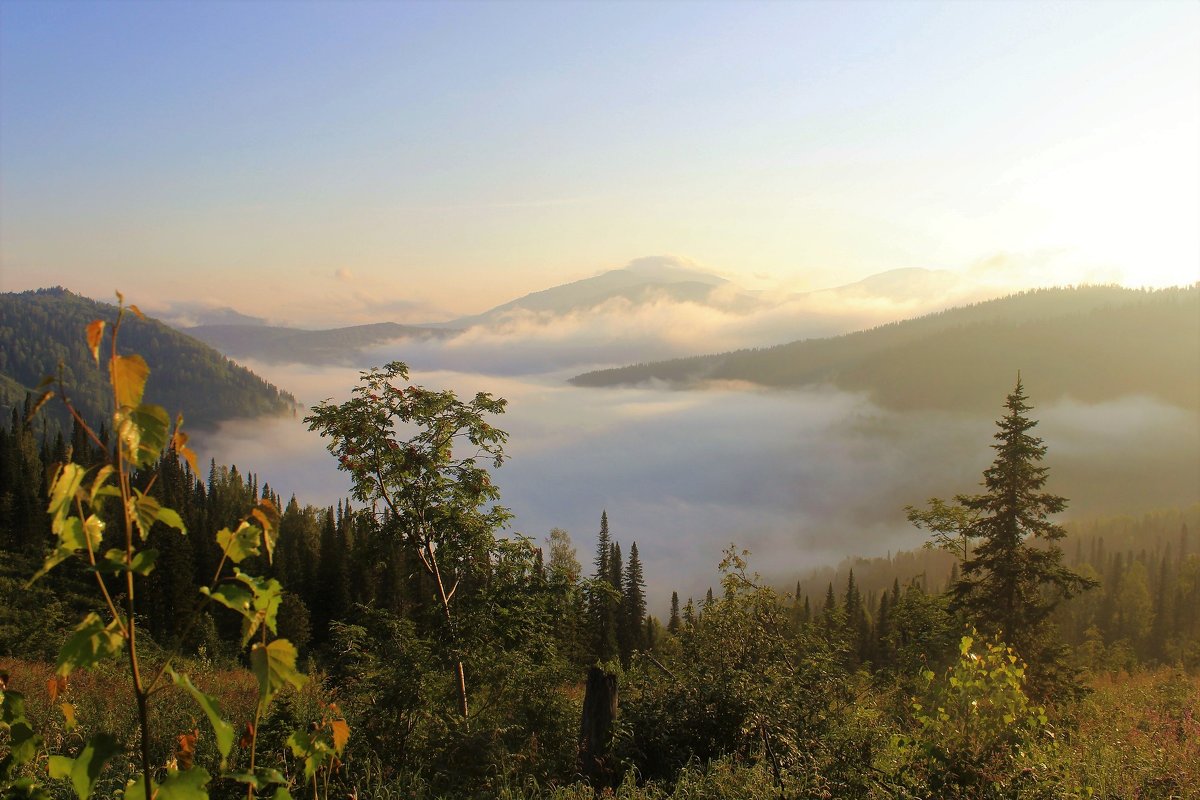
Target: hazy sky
pixel 388 160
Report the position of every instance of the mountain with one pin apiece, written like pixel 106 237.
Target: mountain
pixel 1091 344
pixel 644 280
pixel 43 328
pixel 274 344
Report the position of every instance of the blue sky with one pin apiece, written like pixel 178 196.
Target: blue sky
pixel 454 155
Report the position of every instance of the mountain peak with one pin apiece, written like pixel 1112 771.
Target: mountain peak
pixel 671 269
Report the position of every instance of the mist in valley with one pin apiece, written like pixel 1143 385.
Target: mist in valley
pixel 801 478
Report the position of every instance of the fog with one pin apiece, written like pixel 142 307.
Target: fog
pixel 800 478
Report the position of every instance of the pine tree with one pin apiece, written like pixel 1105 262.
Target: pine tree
pixel 633 612
pixel 1009 587
pixel 602 604
pixel 673 621
pixel 858 627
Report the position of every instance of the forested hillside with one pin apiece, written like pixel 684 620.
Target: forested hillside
pixel 1091 343
pixel 293 345
pixel 40 329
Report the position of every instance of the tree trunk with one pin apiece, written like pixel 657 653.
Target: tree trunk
pixel 596 761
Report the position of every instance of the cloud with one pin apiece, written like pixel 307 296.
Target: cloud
pixel 344 274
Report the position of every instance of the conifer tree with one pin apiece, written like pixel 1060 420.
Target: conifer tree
pixel 1009 586
pixel 633 612
pixel 603 597
pixel 673 621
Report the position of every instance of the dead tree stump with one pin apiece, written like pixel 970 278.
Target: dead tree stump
pixel 596 761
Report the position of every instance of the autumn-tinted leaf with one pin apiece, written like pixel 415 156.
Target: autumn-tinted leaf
pixel 341 734
pixel 95 332
pixel 128 375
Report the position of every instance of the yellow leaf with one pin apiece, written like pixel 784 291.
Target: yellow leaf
pixel 128 375
pixel 68 712
pixel 95 332
pixel 136 310
pixel 341 734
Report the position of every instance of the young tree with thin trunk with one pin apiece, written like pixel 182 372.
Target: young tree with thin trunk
pixel 421 489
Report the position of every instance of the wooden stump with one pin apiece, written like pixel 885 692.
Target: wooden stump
pixel 596 761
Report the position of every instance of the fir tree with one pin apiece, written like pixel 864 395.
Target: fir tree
pixel 633 612
pixel 602 598
pixel 1009 586
pixel 673 621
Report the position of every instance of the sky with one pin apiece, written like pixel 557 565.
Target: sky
pixel 324 163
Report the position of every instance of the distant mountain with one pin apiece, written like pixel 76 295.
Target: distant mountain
pixel 1089 343
pixel 39 329
pixel 183 314
pixel 294 345
pixel 897 286
pixel 645 280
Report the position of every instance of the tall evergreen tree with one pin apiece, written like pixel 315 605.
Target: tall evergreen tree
pixel 673 621
pixel 603 597
pixel 633 611
pixel 1009 585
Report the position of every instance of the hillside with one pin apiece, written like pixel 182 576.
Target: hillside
pixel 39 329
pixel 293 345
pixel 1090 343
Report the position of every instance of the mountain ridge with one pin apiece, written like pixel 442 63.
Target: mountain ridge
pixel 44 328
pixel 1081 342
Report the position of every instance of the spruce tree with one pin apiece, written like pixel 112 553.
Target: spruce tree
pixel 673 621
pixel 1015 576
pixel 601 602
pixel 633 612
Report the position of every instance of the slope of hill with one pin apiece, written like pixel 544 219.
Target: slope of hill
pixel 39 329
pixel 1090 343
pixel 294 345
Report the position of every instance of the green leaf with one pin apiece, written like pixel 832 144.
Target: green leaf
pixel 12 707
pixel 256 599
pixel 240 544
pixel 86 767
pixel 60 766
pixel 128 375
pixel 282 794
pixel 73 536
pixel 91 643
pixel 261 778
pixel 63 490
pixel 98 483
pixel 142 432
pixel 187 785
pixel 170 517
pixel 274 665
pixel 232 596
pixel 23 742
pixel 144 509
pixel 212 709
pixel 114 562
